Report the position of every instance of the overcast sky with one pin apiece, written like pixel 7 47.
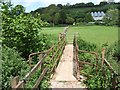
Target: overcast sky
pixel 34 4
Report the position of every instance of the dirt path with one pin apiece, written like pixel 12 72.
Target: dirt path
pixel 63 77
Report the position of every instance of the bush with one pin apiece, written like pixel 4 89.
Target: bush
pixel 100 79
pixel 86 45
pixel 12 65
pixel 70 20
pixel 22 32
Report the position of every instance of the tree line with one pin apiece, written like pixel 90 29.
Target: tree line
pixel 68 14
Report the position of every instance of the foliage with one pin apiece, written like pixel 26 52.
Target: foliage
pixel 114 51
pixel 86 45
pixel 103 3
pixel 50 13
pixel 21 31
pixel 88 18
pixel 80 12
pixel 69 20
pixel 111 17
pixel 63 16
pixel 12 65
pixel 18 9
pixel 102 78
pixel 47 62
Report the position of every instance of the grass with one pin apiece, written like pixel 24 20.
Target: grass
pixel 94 34
pixel 52 33
pixel 52 30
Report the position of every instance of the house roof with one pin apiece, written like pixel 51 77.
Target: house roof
pixel 98 14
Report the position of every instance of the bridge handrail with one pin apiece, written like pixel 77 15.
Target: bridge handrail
pixel 114 83
pixel 60 46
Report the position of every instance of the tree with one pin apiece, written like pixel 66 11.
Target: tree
pixel 103 3
pixel 21 32
pixel 46 17
pixel 51 10
pixel 69 20
pixel 62 16
pixel 88 17
pixel 18 9
pixel 111 17
pixel 60 6
pixel 5 7
pixel 57 18
pixel 89 4
pixel 82 4
pixel 80 17
pixel 68 4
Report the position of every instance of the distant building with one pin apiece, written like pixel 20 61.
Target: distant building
pixel 98 15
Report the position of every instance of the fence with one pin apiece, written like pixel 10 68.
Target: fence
pixel 53 53
pixel 78 63
pixel 104 62
pixel 114 74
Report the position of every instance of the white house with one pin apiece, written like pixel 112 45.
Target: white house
pixel 98 15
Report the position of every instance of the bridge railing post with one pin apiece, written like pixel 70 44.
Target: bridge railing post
pixel 14 82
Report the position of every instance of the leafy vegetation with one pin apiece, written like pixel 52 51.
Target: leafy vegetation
pixel 48 62
pixel 98 80
pixel 21 31
pixel 12 65
pixel 20 34
pixel 111 17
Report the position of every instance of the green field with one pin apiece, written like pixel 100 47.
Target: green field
pixel 94 34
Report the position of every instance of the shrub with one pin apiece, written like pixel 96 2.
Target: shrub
pixel 12 65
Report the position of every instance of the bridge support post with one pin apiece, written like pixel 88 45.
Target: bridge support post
pixel 14 82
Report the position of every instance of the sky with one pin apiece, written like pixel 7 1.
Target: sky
pixel 31 5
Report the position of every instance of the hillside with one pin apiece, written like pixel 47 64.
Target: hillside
pixel 74 8
pixel 68 14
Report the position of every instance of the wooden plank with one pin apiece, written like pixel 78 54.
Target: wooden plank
pixel 40 78
pixel 57 59
pixel 30 73
pixel 56 51
pixel 94 53
pixel 20 84
pixel 103 57
pixel 82 62
pixel 14 82
pixel 33 69
pixel 110 67
pixel 32 54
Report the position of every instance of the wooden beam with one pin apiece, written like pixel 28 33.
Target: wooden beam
pixel 40 78
pixel 14 82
